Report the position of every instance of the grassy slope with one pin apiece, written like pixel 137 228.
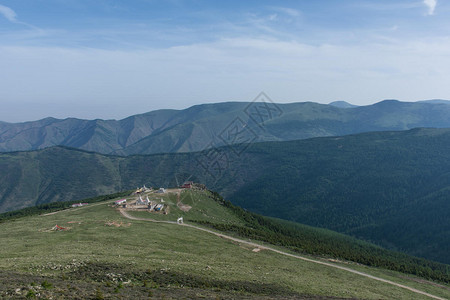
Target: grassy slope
pixel 144 246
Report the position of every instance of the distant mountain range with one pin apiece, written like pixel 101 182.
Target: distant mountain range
pixel 435 101
pixel 391 188
pixel 212 125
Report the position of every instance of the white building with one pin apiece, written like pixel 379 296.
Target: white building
pixel 120 202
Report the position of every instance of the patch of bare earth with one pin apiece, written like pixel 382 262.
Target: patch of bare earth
pixel 181 206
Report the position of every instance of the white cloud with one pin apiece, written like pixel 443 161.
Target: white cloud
pixel 288 11
pixel 92 83
pixel 431 4
pixel 8 13
pixel 11 16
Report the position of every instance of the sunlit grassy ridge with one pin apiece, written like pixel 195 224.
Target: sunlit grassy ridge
pixel 153 254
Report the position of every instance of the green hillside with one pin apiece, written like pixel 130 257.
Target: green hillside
pixel 205 126
pixel 390 188
pixel 101 254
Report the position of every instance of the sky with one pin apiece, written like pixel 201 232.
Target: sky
pixel 112 59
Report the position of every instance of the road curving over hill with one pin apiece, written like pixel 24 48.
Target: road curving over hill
pixel 263 247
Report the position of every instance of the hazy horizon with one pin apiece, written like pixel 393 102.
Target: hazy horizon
pixel 110 60
pixel 206 103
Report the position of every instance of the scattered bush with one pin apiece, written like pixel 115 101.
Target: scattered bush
pixel 46 285
pixel 30 295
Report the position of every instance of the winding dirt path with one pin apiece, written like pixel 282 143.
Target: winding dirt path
pixel 256 245
pixel 71 209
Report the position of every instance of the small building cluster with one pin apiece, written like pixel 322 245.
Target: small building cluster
pixel 151 206
pixel 142 190
pixel 147 204
pixel 193 185
pixel 159 207
pixel 120 202
pixel 161 191
pixel 187 185
pixel 140 201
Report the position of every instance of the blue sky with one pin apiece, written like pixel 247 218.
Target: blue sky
pixel 112 59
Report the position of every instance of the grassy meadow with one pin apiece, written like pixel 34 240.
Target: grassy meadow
pixel 104 255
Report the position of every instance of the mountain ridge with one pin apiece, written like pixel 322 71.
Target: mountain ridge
pixel 342 104
pixel 198 127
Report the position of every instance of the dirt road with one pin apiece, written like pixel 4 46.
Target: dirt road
pixel 256 245
pixel 71 209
